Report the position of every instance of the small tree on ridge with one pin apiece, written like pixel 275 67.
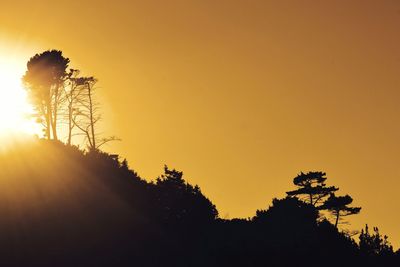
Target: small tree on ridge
pixel 312 186
pixel 338 206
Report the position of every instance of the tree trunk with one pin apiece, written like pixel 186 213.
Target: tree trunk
pixel 55 110
pixel 71 102
pixel 93 143
pixel 47 116
pixel 54 128
pixel 48 119
pixel 69 123
pixel 337 219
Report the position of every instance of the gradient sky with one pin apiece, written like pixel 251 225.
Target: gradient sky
pixel 240 95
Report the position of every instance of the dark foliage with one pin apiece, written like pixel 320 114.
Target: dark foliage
pixel 312 186
pixel 339 206
pixel 60 206
pixel 182 205
pixel 374 244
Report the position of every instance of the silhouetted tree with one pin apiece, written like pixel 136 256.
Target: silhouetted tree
pixel 288 210
pixel 312 185
pixel 338 206
pixel 44 80
pixel 288 219
pixel 181 203
pixel 374 244
pixel 88 114
pixel 73 93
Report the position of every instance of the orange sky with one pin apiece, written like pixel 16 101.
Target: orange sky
pixel 240 95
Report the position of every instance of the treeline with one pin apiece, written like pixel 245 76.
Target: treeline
pixel 60 206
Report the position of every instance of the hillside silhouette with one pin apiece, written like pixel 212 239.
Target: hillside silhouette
pixel 61 206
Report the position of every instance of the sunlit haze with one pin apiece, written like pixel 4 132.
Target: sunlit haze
pixel 16 114
pixel 239 95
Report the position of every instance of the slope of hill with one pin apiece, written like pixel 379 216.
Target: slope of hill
pixel 60 206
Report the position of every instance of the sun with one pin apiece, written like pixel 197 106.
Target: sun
pixel 15 110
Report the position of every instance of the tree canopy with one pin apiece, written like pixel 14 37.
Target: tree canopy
pixel 339 206
pixel 312 185
pixel 44 79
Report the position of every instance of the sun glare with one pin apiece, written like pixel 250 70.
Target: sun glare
pixel 15 110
